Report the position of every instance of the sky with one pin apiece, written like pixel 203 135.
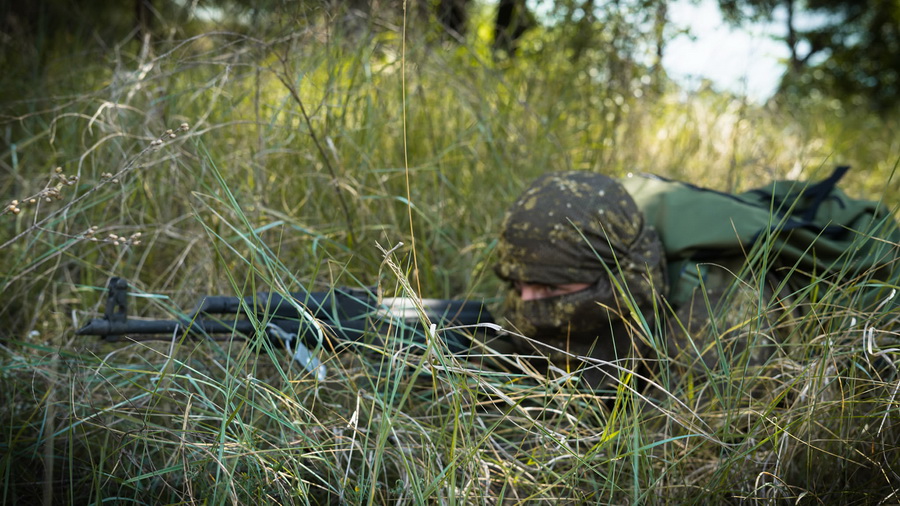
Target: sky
pixel 741 60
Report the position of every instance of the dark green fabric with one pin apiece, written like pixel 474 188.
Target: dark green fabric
pixel 817 228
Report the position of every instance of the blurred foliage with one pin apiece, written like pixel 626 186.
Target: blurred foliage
pixel 851 51
pixel 350 112
pixel 311 139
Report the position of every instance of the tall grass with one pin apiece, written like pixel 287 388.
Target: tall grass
pixel 306 158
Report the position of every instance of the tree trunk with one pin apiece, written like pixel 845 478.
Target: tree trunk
pixel 452 15
pixel 143 19
pixel 511 22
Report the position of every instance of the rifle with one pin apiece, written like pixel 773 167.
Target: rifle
pixel 304 318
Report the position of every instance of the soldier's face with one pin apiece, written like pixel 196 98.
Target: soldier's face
pixel 536 291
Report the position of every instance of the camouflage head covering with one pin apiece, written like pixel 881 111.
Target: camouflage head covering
pixel 567 225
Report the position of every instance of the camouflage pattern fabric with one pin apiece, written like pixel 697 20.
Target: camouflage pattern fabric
pixel 580 227
pixel 575 227
pixel 578 325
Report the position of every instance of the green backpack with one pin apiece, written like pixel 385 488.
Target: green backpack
pixel 814 229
